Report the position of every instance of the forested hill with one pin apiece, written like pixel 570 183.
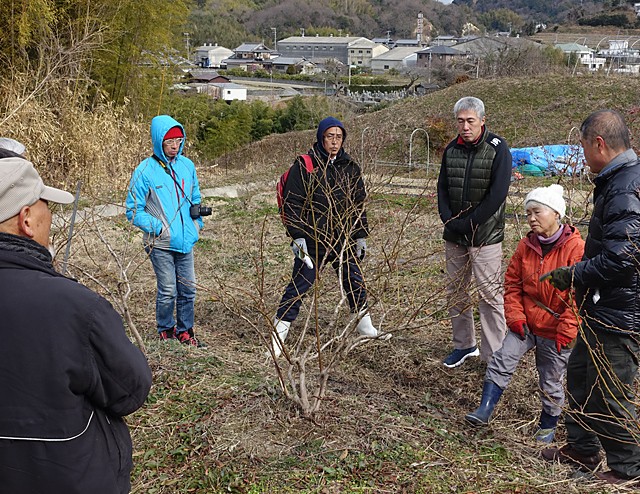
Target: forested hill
pixel 554 11
pixel 230 22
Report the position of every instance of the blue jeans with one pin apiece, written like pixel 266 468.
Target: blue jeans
pixel 176 279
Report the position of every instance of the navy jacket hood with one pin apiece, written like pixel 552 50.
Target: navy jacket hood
pixel 327 123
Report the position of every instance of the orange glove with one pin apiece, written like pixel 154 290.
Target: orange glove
pixel 562 341
pixel 520 328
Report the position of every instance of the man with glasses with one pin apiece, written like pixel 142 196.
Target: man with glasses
pixel 162 192
pixel 325 216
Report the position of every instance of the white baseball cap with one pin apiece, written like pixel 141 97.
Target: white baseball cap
pixel 21 185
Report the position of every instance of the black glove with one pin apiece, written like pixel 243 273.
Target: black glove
pixel 560 278
pixel 456 225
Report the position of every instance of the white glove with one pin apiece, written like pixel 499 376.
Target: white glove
pixel 299 248
pixel 361 248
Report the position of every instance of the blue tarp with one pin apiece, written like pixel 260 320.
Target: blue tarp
pixel 555 159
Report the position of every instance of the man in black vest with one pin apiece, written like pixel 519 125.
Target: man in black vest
pixel 604 363
pixel 472 190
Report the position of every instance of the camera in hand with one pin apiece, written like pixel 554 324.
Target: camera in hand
pixel 197 210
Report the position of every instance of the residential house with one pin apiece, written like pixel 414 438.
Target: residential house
pixel 296 65
pixel 249 56
pixel 437 56
pixel 446 40
pixel 407 42
pixel 585 56
pixel 210 55
pixel 480 47
pixel 401 59
pixel 388 42
pixel 205 77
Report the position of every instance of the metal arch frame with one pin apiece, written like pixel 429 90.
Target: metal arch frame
pixel 411 146
pixel 362 145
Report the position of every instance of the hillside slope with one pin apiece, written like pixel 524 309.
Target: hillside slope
pixel 526 112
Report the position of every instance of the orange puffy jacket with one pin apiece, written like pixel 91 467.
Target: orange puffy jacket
pixel 524 290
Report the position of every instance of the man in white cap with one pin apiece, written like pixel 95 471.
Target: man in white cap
pixel 68 371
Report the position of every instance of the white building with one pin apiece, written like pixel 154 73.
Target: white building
pixel 401 59
pixel 585 56
pixel 229 91
pixel 363 51
pixel 210 55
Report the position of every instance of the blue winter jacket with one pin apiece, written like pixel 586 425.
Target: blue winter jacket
pixel 158 204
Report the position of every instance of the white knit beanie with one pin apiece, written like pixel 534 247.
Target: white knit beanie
pixel 549 196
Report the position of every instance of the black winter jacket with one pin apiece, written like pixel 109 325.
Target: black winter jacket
pixel 325 207
pixel 68 374
pixel 607 280
pixel 472 188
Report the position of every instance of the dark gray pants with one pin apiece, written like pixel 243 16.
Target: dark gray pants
pixel 600 378
pixel 551 368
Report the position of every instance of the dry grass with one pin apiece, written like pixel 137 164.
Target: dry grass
pixel 392 421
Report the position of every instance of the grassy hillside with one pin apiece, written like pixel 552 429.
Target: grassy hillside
pixel 526 112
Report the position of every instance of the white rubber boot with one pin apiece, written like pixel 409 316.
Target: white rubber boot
pixel 366 328
pixel 279 334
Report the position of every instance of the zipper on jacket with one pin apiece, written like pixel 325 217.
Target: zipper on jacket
pixel 467 180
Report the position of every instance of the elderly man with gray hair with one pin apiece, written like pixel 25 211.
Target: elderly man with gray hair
pixel 472 189
pixel 68 371
pixel 602 369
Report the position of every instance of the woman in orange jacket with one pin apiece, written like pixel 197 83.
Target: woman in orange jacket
pixel 538 315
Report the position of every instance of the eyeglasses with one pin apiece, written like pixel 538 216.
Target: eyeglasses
pixel 333 137
pixel 173 142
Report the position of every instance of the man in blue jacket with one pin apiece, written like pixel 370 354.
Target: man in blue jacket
pixel 603 366
pixel 68 371
pixel 163 201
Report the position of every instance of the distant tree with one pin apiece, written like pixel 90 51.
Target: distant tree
pixel 94 48
pixel 296 116
pixel 501 20
pixel 334 69
pixel 217 26
pixel 618 19
pixel 263 120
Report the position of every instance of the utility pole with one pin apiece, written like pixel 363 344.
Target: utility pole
pixel 186 41
pixel 275 38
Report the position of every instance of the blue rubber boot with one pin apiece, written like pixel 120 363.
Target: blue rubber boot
pixel 491 394
pixel 546 428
